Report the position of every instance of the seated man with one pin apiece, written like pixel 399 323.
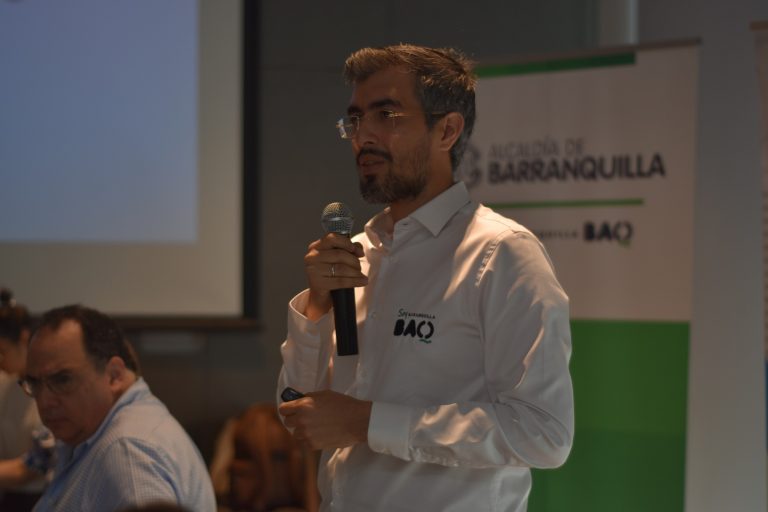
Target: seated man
pixel 117 444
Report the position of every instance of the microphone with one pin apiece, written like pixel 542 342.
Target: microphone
pixel 337 218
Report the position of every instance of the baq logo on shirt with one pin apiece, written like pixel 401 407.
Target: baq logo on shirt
pixel 419 326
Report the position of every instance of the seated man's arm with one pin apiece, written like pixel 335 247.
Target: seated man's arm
pixel 32 465
pixel 14 473
pixel 132 473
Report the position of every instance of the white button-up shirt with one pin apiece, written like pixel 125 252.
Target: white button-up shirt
pixel 464 343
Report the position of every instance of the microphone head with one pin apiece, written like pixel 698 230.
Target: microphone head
pixel 337 218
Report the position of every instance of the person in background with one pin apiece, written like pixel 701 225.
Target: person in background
pixel 461 384
pixel 117 445
pixel 19 421
pixel 157 507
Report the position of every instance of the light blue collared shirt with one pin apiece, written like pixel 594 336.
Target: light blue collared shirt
pixel 139 455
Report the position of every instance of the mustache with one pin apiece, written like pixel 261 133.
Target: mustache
pixel 373 151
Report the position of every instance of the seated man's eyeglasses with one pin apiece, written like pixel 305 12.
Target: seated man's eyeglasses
pixel 379 120
pixel 60 383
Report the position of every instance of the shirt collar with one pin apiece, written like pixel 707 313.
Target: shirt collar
pixel 435 214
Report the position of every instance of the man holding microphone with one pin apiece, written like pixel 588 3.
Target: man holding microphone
pixel 461 383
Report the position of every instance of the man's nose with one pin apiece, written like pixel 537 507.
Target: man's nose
pixel 366 134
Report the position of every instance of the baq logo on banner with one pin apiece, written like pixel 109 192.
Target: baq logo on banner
pixel 595 155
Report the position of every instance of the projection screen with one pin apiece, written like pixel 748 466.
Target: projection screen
pixel 120 155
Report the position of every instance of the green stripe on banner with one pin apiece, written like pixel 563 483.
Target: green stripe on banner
pixel 549 66
pixel 630 388
pixel 585 203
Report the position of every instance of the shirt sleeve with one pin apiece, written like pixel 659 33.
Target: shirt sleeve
pixel 522 313
pixel 133 474
pixel 307 350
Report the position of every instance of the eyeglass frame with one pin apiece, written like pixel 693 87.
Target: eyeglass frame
pixel 33 386
pixel 389 115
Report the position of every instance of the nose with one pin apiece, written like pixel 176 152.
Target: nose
pixel 365 134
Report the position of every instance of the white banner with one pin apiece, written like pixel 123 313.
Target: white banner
pixel 596 156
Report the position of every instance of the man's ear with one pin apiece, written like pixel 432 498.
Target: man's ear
pixel 451 127
pixel 117 373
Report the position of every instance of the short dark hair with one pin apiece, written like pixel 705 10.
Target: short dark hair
pixel 102 337
pixel 14 317
pixel 445 81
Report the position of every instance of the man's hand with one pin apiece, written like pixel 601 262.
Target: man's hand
pixel 326 419
pixel 14 473
pixel 331 262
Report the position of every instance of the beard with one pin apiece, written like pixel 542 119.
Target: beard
pixel 401 181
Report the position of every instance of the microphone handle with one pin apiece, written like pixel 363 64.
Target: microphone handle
pixel 345 320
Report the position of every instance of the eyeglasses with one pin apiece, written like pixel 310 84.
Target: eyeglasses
pixel 60 383
pixel 379 120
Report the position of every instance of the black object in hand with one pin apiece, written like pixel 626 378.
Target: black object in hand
pixel 337 218
pixel 290 394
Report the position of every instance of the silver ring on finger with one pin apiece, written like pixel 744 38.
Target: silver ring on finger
pixel 333 270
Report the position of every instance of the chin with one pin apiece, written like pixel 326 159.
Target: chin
pixel 70 438
pixel 60 428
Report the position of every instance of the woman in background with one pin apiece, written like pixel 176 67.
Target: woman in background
pixel 19 420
